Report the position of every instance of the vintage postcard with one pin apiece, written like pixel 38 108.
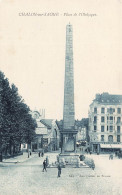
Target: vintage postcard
pixel 60 97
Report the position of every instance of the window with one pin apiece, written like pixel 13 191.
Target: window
pixel 35 146
pixel 110 110
pixel 119 110
pixel 95 119
pixel 102 110
pixel 95 127
pixel 118 138
pixel 102 119
pixel 24 145
pixel 110 138
pixel 111 128
pixel 118 119
pixel 102 138
pixel 95 110
pixel 102 128
pixel 107 128
pixel 118 129
pixel 111 119
pixel 40 145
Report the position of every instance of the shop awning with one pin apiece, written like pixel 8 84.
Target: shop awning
pixel 111 146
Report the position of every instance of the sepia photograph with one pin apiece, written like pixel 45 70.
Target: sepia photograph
pixel 60 97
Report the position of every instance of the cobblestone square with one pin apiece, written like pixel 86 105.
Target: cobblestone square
pixel 26 177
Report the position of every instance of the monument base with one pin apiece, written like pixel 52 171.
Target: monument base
pixel 69 159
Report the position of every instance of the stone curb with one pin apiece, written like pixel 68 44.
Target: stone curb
pixel 3 164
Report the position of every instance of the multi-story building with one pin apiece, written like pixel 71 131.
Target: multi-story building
pixel 82 127
pixel 105 123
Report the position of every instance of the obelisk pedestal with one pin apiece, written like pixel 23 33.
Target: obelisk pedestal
pixel 68 134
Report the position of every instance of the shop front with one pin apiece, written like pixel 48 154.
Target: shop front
pixel 107 148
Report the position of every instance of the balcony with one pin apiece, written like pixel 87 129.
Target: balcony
pixel 110 121
pixel 111 131
pixel 119 122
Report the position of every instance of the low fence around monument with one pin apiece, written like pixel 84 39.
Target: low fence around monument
pixel 89 162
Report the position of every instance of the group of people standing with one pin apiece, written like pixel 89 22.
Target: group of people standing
pixel 117 154
pixel 45 164
pixel 41 153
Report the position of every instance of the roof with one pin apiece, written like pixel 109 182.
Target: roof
pixel 106 98
pixel 47 122
pixel 82 123
pixel 60 124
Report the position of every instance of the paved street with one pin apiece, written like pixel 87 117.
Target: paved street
pixel 24 176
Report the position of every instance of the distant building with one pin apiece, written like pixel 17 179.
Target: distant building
pixel 105 123
pixel 37 115
pixel 82 127
pixel 47 133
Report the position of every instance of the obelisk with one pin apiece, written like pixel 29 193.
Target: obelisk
pixel 68 134
pixel 69 113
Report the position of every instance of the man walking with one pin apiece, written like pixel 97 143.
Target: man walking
pixel 44 165
pixel 59 170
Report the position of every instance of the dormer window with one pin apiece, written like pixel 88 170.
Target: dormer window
pixel 95 110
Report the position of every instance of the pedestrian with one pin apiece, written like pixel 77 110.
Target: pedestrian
pixel 42 154
pixel 47 161
pixel 109 156
pixel 44 166
pixel 39 153
pixel 59 170
pixel 119 155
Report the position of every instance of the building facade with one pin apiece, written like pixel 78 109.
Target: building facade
pixel 105 123
pixel 82 135
pixel 82 127
pixel 47 133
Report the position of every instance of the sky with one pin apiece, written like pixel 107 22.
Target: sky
pixel 32 51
